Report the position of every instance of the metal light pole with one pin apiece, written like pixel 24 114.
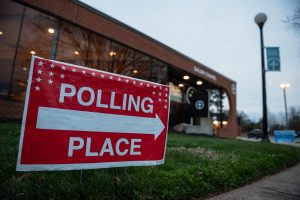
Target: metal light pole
pixel 260 20
pixel 283 86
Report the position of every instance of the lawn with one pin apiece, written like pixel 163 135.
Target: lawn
pixel 195 167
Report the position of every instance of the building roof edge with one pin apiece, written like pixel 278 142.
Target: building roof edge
pixel 98 12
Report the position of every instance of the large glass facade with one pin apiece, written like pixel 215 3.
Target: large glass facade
pixel 142 66
pixel 121 59
pixel 35 39
pixel 26 32
pixel 73 44
pixel 159 72
pixel 98 54
pixel 10 25
pixel 219 105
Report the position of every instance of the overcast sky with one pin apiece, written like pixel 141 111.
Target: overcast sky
pixel 222 35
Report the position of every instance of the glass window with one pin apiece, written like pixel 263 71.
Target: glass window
pixel 219 104
pixel 142 66
pixel 73 44
pixel 121 59
pixel 98 54
pixel 37 35
pixel 10 22
pixel 159 72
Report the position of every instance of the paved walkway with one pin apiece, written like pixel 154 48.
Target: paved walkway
pixel 272 140
pixel 285 185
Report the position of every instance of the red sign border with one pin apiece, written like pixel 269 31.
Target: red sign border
pixel 79 166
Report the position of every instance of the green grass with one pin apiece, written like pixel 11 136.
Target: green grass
pixel 195 167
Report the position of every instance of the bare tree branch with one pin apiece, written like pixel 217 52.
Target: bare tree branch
pixel 293 21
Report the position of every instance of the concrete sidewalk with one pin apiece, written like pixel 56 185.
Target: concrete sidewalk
pixel 285 185
pixel 272 140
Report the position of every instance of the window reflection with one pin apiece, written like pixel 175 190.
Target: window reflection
pixel 121 59
pixel 73 44
pixel 142 67
pixel 219 104
pixel 159 72
pixel 41 35
pixel 98 54
pixel 34 40
pixel 10 22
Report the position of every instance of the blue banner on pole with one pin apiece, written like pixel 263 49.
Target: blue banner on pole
pixel 273 58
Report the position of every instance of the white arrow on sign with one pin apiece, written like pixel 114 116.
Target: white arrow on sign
pixel 74 120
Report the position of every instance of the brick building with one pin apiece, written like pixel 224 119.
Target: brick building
pixel 70 31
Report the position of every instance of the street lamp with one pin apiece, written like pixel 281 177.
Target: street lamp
pixel 283 86
pixel 260 20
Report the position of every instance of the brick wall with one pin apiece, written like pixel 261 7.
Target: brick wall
pixel 11 110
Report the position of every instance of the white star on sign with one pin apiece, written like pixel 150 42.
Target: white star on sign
pixel 126 80
pixel 165 107
pixel 52 65
pixel 63 68
pixel 141 84
pixel 41 63
pixel 148 85
pixel 40 71
pixel 50 82
pixel 37 88
pixel 111 78
pixel 153 92
pixel 166 100
pixel 93 74
pixel 166 95
pixel 160 88
pixel 73 70
pixel 166 89
pixel 154 86
pixel 51 73
pixel 38 79
pixel 102 75
pixel 119 79
pixel 159 100
pixel 159 94
pixel 62 76
pixel 133 82
pixel 83 72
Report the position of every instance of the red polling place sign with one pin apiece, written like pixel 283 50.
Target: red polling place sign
pixel 81 118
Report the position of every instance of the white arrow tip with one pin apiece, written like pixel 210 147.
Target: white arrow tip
pixel 158 128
